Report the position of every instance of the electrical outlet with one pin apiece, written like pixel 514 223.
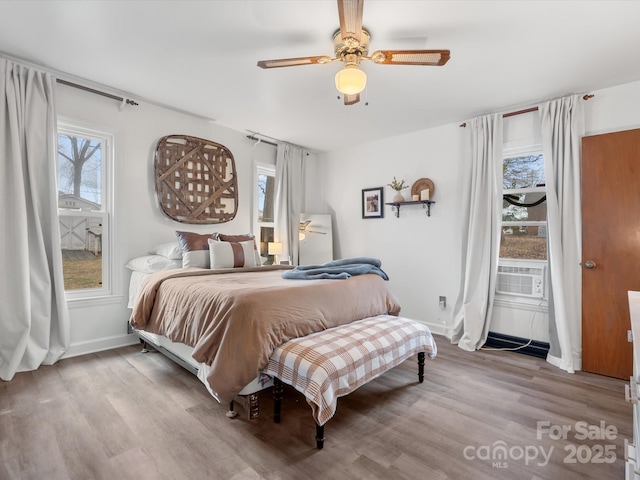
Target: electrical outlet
pixel 443 302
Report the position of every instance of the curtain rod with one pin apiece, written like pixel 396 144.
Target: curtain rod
pixel 253 137
pixel 527 110
pixel 59 74
pixel 260 140
pixel 97 92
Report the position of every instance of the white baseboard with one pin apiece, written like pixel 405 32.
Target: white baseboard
pixel 100 344
pixel 437 328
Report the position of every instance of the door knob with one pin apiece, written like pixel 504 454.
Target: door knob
pixel 589 264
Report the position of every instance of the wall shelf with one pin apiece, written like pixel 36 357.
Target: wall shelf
pixel 426 204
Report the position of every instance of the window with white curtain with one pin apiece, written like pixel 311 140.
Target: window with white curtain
pixel 264 209
pixel 523 242
pixel 85 163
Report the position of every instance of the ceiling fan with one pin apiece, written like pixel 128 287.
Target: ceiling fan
pixel 351 44
pixel 304 228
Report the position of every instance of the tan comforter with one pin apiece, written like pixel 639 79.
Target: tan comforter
pixel 235 319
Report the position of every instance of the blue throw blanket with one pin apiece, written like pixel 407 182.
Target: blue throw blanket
pixel 337 269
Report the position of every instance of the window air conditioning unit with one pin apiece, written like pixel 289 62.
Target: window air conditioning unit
pixel 521 279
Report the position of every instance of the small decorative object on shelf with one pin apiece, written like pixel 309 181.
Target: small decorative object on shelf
pixel 422 192
pixel 398 187
pixel 422 184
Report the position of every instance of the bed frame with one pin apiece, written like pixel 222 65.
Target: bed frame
pixel 377 298
pixel 247 398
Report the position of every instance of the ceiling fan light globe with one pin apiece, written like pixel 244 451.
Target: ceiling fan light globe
pixel 351 80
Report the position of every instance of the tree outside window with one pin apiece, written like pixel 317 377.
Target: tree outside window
pixel 80 167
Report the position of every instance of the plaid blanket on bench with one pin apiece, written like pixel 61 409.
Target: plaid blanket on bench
pixel 330 364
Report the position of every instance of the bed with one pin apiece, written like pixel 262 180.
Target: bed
pixel 224 323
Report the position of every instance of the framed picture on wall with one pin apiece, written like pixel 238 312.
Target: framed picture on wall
pixel 373 202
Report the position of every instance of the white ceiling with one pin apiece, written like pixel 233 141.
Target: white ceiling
pixel 200 56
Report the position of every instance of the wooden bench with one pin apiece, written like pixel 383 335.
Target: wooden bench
pixel 333 363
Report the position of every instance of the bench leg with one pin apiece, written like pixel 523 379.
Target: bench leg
pixel 421 367
pixel 232 412
pixel 277 399
pixel 319 436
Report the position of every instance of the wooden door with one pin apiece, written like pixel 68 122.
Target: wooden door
pixel 610 249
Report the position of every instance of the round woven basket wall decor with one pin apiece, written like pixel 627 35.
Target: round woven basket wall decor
pixel 195 180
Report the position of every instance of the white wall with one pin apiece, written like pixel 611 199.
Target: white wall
pixel 137 221
pixel 419 253
pixel 422 255
pixel 613 109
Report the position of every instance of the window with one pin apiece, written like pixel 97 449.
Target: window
pixel 266 177
pixel 84 162
pixel 524 207
pixel 523 242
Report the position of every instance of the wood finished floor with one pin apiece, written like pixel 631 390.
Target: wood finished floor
pixel 121 414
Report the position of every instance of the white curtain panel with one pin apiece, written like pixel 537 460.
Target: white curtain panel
pixel 481 233
pixel 562 130
pixel 289 201
pixel 34 320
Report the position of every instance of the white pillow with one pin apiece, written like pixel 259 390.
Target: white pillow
pixel 231 254
pixel 170 250
pixel 152 263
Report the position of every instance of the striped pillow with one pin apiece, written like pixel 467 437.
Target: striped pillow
pixel 223 237
pixel 231 254
pixel 195 249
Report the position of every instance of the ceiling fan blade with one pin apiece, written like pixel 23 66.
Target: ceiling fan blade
pixel 351 99
pixel 435 58
pixel 350 12
pixel 292 62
